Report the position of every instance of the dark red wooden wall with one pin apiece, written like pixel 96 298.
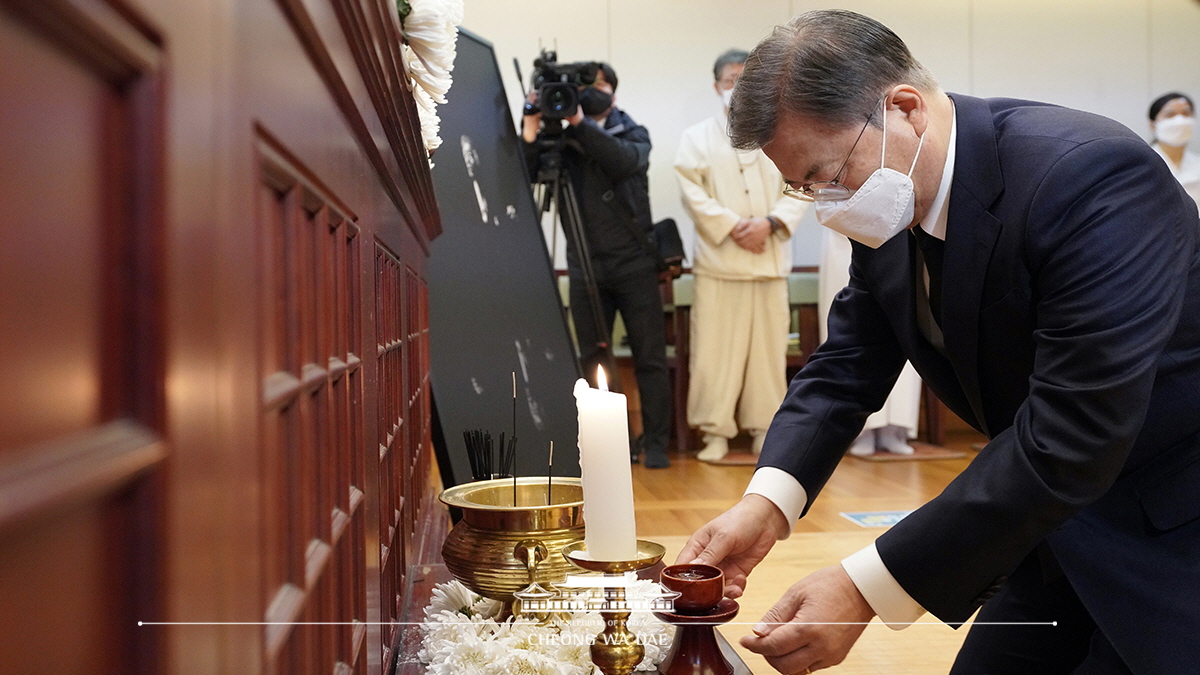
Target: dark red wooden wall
pixel 214 416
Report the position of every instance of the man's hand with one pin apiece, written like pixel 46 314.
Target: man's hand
pixel 737 540
pixel 576 117
pixel 813 625
pixel 751 234
pixel 531 124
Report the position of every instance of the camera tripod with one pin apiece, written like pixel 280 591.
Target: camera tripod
pixel 556 194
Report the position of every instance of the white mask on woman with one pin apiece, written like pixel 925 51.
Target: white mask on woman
pixel 1174 131
pixel 877 211
pixel 727 97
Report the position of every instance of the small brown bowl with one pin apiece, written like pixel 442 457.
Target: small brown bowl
pixel 701 587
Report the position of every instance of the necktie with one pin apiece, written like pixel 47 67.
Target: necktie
pixel 932 251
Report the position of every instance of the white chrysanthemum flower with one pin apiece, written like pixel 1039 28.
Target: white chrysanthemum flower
pixel 453 10
pixel 428 58
pixel 521 662
pixel 431 124
pixel 451 597
pixel 519 633
pixel 469 656
pixel 574 655
pixel 435 87
pixel 487 608
pixel 445 629
pixel 432 34
pixel 427 99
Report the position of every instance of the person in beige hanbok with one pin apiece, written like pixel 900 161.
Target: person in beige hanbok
pixel 739 320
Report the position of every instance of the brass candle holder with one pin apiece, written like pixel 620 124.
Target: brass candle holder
pixel 616 650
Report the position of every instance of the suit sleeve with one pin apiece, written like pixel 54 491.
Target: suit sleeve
pixel 829 400
pixel 1107 248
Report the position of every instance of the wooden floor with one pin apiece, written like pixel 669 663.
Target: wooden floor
pixel 673 503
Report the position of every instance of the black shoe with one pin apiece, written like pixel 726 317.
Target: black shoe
pixel 635 449
pixel 656 460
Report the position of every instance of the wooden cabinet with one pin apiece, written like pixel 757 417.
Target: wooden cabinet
pixel 214 426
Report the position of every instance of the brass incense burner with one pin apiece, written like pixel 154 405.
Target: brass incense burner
pixel 502 546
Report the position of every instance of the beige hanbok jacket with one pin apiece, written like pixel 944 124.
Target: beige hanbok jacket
pixel 720 186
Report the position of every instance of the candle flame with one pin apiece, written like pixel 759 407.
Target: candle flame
pixel 601 381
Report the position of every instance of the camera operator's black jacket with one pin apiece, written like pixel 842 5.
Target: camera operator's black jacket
pixel 608 170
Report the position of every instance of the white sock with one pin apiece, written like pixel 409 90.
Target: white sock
pixel 864 445
pixel 715 448
pixel 894 439
pixel 758 436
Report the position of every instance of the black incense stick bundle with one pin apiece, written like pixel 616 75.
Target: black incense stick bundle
pixel 490 460
pixel 482 454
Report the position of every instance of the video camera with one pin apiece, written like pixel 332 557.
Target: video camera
pixel 558 84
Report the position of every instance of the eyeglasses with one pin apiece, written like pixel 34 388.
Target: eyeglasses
pixel 830 190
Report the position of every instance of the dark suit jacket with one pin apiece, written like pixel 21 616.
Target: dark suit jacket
pixel 1071 317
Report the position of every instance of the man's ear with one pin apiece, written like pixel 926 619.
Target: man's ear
pixel 910 101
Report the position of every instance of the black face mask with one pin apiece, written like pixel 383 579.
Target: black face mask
pixel 594 102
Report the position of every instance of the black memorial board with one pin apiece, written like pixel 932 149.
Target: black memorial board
pixel 494 307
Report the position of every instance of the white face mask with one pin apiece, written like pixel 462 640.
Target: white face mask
pixel 1174 131
pixel 878 210
pixel 727 96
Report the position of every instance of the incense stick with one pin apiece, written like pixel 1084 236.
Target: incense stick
pixel 550 477
pixel 514 437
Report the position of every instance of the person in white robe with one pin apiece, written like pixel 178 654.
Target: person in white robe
pixel 1172 119
pixel 742 257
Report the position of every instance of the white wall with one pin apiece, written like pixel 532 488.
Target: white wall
pixel 1107 56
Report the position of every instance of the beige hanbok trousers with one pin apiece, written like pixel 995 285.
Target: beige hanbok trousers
pixel 738 354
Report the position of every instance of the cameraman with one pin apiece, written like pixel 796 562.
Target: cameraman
pixel 605 155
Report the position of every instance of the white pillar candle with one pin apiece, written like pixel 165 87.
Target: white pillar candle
pixel 604 466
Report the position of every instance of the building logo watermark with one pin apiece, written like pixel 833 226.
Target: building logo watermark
pixel 595 593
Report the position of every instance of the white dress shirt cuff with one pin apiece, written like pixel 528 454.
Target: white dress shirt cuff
pixel 887 597
pixel 784 491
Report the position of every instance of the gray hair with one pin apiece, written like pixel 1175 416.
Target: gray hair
pixel 831 66
pixel 730 57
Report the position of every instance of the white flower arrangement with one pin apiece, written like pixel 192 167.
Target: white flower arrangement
pixel 464 637
pixel 430 34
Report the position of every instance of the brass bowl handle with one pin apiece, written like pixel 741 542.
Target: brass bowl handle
pixel 531 552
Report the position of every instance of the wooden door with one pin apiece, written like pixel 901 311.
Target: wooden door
pixel 214 438
pixel 81 399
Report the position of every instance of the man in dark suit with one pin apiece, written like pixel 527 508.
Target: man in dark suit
pixel 1042 272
